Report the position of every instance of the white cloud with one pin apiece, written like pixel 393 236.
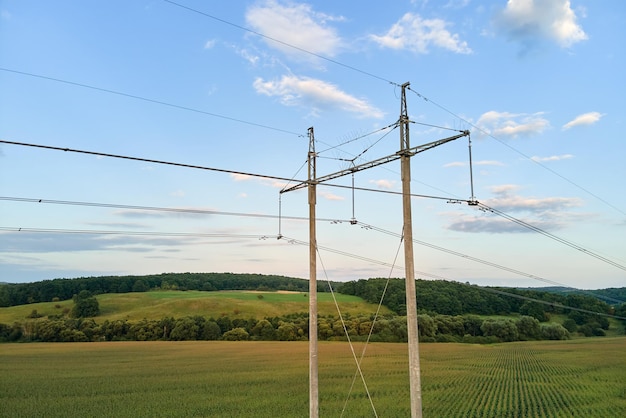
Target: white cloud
pixel 531 20
pixel 178 193
pixel 315 94
pixel 331 196
pixel 548 213
pixel 505 200
pixel 584 119
pixel 483 163
pixel 505 124
pixel 252 58
pixel 210 44
pixel 455 164
pixel 296 24
pixel 415 34
pixel 552 158
pixel 489 162
pixel 240 177
pixel 384 184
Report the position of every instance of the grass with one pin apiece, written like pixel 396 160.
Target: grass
pixel 585 378
pixel 235 304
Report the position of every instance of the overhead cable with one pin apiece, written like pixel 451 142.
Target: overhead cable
pixel 145 99
pixel 534 160
pixel 299 242
pixel 158 209
pixel 281 42
pixel 147 160
pixel 551 236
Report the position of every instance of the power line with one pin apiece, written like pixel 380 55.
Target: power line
pixel 551 236
pixel 145 99
pixel 467 257
pixel 125 157
pixel 519 222
pixel 504 215
pixel 487 289
pixel 300 242
pixel 131 233
pixel 282 42
pixel 545 167
pixel 159 209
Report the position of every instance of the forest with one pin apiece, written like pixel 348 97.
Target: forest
pixel 448 311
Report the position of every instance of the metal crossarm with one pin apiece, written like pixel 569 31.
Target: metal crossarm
pixel 380 161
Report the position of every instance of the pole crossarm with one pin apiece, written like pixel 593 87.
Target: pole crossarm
pixel 384 160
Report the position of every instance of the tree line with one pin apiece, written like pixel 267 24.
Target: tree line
pixel 441 297
pixel 448 310
pixel 294 327
pixel 13 294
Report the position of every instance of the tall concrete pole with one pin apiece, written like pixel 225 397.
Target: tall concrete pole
pixel 409 267
pixel 313 375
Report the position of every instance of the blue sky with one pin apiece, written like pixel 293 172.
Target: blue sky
pixel 236 85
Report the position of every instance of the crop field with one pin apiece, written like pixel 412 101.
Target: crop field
pixel 580 378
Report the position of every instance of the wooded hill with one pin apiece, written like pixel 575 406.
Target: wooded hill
pixel 434 296
pixel 449 311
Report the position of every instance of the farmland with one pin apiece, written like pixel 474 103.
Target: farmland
pixel 585 378
pixel 155 305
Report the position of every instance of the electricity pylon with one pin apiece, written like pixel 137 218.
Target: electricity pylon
pixel 404 155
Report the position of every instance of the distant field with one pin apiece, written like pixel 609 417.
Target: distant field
pixel 157 304
pixel 581 378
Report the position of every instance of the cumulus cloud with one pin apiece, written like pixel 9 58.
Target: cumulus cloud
pixel 549 213
pixel 513 125
pixel 315 94
pixel 50 242
pixel 585 119
pixel 507 202
pixel 552 158
pixel 302 26
pixel 476 163
pixel 528 21
pixel 383 184
pixel 416 34
pixel 331 196
pixel 240 177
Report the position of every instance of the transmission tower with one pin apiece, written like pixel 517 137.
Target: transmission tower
pixel 404 155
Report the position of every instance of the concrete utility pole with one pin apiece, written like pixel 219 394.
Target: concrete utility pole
pixel 313 375
pixel 409 268
pixel 404 155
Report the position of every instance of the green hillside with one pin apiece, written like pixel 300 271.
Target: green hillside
pixel 155 305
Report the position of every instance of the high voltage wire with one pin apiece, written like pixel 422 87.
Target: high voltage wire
pixel 504 215
pixel 282 42
pixel 500 213
pixel 125 157
pixel 131 233
pixel 299 242
pixel 545 167
pixel 159 209
pixel 145 99
pixel 551 236
pixel 398 85
pixel 301 135
pixel 468 257
pixel 210 212
pixel 495 211
pixel 264 237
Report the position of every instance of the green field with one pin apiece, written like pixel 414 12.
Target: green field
pixel 235 304
pixel 580 378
